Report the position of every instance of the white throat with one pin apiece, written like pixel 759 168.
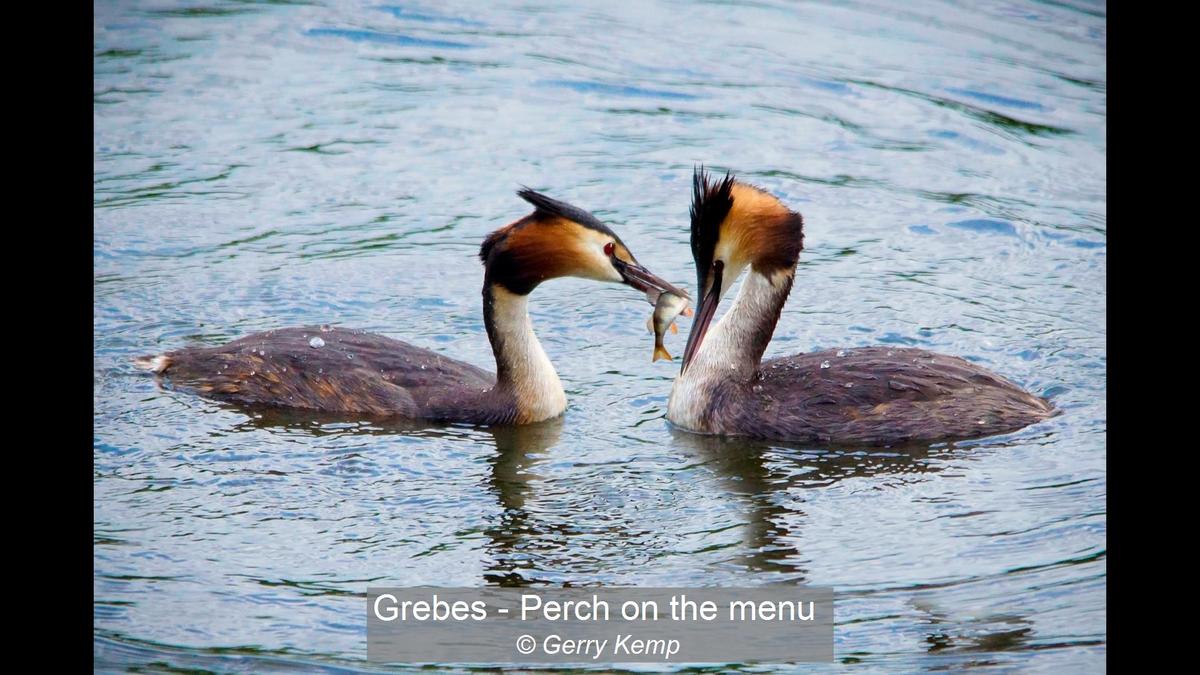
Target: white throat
pixel 522 361
pixel 728 351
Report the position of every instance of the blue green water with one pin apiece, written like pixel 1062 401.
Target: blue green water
pixel 259 165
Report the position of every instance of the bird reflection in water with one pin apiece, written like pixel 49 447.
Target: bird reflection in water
pixel 770 478
pixel 513 539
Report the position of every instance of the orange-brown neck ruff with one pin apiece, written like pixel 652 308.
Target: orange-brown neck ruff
pixel 760 231
pixel 556 240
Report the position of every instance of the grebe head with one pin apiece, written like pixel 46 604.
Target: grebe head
pixel 735 225
pixel 561 240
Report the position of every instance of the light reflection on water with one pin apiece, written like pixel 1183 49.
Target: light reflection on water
pixel 263 165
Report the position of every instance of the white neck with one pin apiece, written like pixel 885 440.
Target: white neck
pixel 732 349
pixel 521 364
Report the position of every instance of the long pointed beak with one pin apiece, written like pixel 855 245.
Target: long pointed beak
pixel 644 280
pixel 704 316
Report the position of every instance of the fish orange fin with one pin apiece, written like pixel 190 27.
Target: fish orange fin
pixel 674 328
pixel 661 353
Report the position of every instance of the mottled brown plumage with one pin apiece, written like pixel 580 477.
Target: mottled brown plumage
pixel 872 396
pixel 352 372
pixel 867 396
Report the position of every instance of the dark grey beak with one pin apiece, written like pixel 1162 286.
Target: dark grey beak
pixel 704 314
pixel 644 280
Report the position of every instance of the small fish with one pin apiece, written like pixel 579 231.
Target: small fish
pixel 666 308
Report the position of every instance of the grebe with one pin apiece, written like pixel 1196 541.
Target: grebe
pixel 338 370
pixel 867 395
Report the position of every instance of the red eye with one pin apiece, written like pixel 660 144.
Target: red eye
pixel 608 248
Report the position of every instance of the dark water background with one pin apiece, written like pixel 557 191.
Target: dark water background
pixel 259 165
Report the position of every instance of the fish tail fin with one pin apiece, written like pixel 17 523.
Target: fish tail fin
pixel 660 352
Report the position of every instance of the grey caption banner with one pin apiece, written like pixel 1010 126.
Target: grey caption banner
pixel 600 625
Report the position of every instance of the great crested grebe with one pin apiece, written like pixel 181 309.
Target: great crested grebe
pixel 865 395
pixel 338 370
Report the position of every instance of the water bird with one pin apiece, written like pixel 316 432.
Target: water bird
pixel 874 395
pixel 347 371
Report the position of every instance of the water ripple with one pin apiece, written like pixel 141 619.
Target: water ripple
pixel 259 165
pixel 384 38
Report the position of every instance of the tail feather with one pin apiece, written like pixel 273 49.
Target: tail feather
pixel 155 363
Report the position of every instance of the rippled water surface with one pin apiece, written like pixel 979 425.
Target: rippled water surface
pixel 274 164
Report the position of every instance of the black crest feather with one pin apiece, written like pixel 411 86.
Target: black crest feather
pixel 553 207
pixel 711 201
